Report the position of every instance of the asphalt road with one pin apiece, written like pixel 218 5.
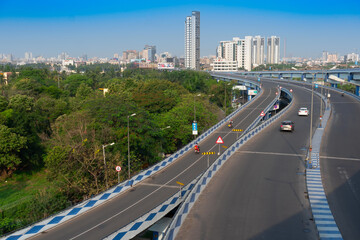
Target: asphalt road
pixel 340 163
pixel 128 206
pixel 259 192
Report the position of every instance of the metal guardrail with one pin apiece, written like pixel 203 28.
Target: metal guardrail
pixel 189 202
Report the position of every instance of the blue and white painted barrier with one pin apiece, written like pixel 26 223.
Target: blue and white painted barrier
pixel 324 220
pixel 144 222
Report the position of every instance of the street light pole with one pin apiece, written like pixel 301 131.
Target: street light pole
pixel 311 117
pixel 225 99
pixel 105 168
pixel 161 141
pixel 128 118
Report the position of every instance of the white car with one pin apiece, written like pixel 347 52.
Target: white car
pixel 303 111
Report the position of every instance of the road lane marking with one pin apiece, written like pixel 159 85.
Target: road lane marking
pixel 341 158
pixel 158 185
pixel 273 153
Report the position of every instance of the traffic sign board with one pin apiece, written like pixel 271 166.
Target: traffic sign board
pixel 118 168
pixel 219 140
pixel 207 153
pixel 194 128
pixel 290 90
pixel 180 183
pixel 262 113
pixel 237 130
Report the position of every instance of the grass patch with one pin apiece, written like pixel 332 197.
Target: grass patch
pixel 22 186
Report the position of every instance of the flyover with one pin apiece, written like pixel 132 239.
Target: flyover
pixel 137 200
pixel 261 192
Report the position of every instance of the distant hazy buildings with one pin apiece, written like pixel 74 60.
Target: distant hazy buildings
pixel 273 50
pixel 332 58
pixel 28 56
pixel 129 55
pixel 352 57
pixel 148 53
pixel 192 41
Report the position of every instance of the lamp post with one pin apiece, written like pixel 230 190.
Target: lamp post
pixel 128 123
pixel 321 102
pixel 194 106
pixel 311 117
pixel 225 96
pixel 161 141
pixel 105 169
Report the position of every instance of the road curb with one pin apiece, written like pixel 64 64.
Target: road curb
pixel 324 220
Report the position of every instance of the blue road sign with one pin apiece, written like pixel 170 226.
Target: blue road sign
pixel 194 128
pixel 316 85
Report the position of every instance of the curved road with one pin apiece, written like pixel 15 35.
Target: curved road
pixel 260 192
pixel 340 164
pixel 130 205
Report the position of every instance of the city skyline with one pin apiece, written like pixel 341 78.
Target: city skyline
pixel 81 27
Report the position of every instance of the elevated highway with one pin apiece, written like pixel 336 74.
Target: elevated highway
pixel 141 198
pixel 261 194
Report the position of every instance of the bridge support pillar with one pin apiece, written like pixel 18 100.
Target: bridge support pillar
pixel 249 96
pixel 350 77
pixel 334 85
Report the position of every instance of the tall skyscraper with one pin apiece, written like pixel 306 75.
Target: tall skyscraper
pixel 258 51
pixel 150 53
pixel 28 56
pixel 273 50
pixel 192 41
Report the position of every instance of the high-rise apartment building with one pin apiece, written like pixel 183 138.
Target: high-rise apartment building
pixel 149 53
pixel 258 50
pixel 273 50
pixel 234 55
pixel 325 56
pixel 28 56
pixel 192 41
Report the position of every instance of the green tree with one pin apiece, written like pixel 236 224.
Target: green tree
pixel 3 103
pixel 10 146
pixel 72 82
pixel 83 91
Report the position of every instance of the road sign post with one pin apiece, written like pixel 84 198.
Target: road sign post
pixel 118 169
pixel 208 158
pixel 219 141
pixel 181 185
pixel 237 132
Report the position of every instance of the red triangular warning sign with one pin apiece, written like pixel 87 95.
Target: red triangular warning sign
pixel 219 140
pixel 262 113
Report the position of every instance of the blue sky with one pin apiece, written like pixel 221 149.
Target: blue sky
pixel 102 28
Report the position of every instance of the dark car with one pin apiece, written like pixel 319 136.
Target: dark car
pixel 287 126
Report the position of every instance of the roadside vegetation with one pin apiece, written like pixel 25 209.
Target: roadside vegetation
pixel 53 127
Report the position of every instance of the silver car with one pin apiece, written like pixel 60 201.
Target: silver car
pixel 287 126
pixel 303 111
